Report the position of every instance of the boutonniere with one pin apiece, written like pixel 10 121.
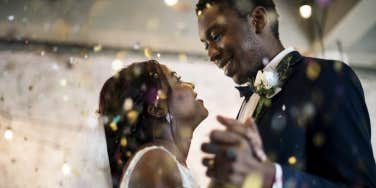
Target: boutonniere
pixel 266 85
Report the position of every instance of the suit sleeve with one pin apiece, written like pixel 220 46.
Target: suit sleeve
pixel 345 159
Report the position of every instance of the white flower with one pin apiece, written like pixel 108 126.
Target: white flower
pixel 266 80
pixel 270 79
pixel 258 80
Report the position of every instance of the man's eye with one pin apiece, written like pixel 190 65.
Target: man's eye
pixel 216 37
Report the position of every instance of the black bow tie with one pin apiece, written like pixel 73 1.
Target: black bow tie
pixel 245 91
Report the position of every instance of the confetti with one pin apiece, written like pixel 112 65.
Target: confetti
pixel 171 2
pixel 66 169
pixel 123 142
pixel 117 65
pixel 183 58
pixel 11 17
pixel 148 53
pixel 132 116
pixel 97 48
pixel 253 180
pixel 292 160
pixel 113 126
pixel 128 104
pixel 313 70
pixel 318 139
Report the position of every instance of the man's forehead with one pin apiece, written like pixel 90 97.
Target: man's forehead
pixel 209 17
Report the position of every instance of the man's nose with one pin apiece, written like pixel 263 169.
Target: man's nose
pixel 214 54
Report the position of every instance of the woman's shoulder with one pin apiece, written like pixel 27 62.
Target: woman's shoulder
pixel 153 166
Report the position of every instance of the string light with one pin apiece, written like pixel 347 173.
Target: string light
pixel 117 65
pixel 8 134
pixel 305 11
pixel 171 2
pixel 66 169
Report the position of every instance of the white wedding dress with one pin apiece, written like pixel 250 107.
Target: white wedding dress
pixel 186 177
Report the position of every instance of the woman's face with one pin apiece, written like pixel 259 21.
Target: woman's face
pixel 187 111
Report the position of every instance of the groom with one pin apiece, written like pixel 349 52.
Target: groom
pixel 311 125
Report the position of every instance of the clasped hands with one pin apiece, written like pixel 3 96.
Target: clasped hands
pixel 237 154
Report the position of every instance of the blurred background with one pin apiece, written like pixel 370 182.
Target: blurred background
pixel 56 54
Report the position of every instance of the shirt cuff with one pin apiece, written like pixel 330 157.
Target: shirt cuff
pixel 278 176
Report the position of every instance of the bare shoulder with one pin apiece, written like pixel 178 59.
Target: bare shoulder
pixel 156 168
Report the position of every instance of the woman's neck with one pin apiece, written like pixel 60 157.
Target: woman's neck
pixel 171 147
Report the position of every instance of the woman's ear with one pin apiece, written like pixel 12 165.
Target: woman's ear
pixel 258 19
pixel 159 110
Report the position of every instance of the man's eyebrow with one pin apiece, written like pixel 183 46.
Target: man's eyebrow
pixel 209 30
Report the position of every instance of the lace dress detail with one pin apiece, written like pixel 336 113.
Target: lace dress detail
pixel 185 174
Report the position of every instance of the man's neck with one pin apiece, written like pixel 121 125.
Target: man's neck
pixel 274 47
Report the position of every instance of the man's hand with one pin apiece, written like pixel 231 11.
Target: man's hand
pixel 238 154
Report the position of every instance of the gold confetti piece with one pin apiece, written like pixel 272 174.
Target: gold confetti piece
pixel 162 95
pixel 113 126
pixel 183 57
pixel 97 48
pixel 148 53
pixel 253 180
pixel 199 13
pixel 313 70
pixel 208 5
pixel 132 116
pixel 123 141
pixel 128 154
pixel 318 139
pixel 338 66
pixel 292 160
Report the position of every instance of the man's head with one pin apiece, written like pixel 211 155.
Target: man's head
pixel 238 34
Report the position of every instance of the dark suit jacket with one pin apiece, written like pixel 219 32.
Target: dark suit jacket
pixel 320 118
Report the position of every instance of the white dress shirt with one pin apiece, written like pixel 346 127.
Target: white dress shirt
pixel 248 108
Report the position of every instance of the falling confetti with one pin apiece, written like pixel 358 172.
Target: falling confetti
pixel 292 160
pixel 132 116
pixel 136 46
pixel 253 180
pixel 283 107
pixel 128 104
pixel 338 66
pixel 313 70
pixel 117 65
pixel 97 48
pixel 148 53
pixel 113 126
pixel 183 58
pixel 318 139
pixel 171 2
pixel 123 142
pixel 66 169
pixel 11 17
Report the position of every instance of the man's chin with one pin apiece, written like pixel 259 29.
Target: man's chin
pixel 239 80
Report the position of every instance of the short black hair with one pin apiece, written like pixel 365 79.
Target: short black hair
pixel 243 8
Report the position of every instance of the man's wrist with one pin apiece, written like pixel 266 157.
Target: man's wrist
pixel 269 175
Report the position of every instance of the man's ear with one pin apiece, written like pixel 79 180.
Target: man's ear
pixel 159 110
pixel 258 19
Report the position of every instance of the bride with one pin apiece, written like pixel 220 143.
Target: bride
pixel 149 116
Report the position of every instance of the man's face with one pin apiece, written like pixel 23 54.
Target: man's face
pixel 231 42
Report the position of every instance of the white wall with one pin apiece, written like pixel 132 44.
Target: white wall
pixel 55 124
